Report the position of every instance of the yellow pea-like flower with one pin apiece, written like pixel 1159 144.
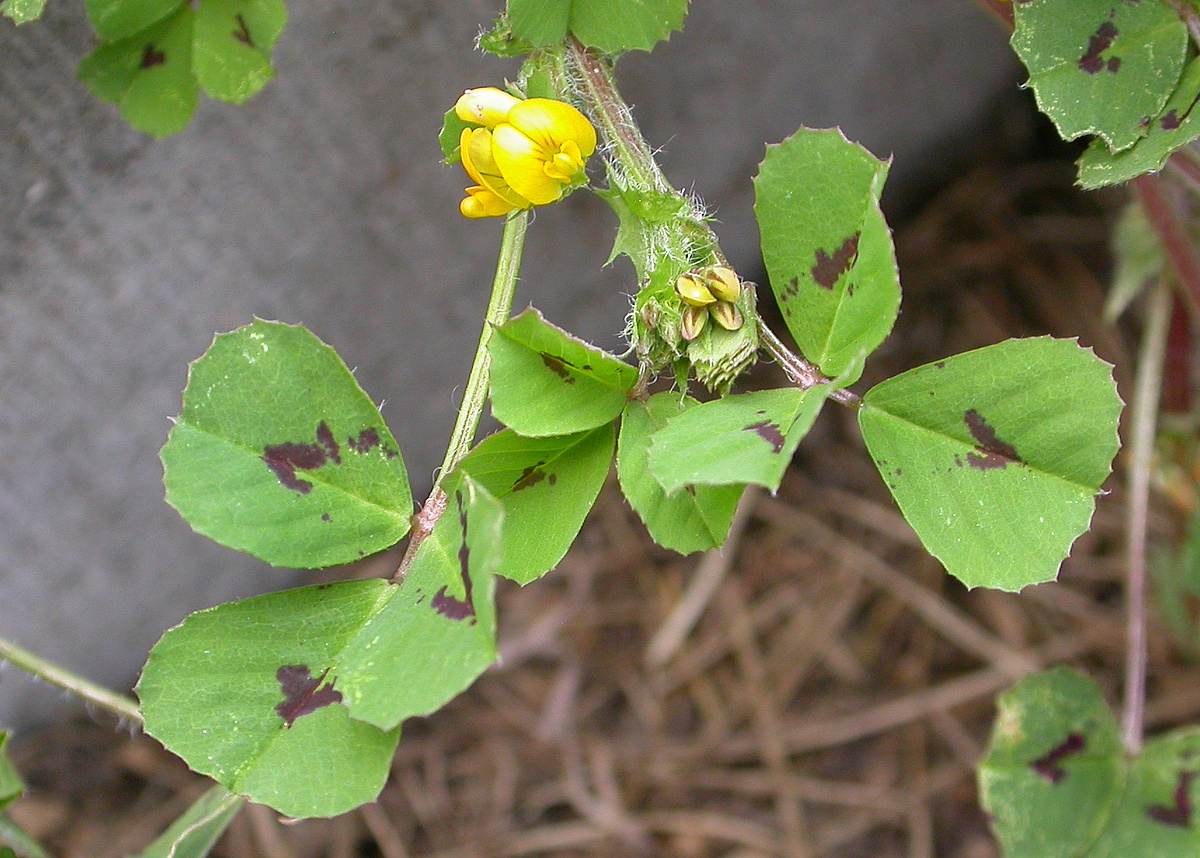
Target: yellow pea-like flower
pixel 527 152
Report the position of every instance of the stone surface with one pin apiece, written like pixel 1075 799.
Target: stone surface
pixel 323 201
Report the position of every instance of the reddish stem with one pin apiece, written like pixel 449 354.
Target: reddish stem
pixel 1170 226
pixel 1177 395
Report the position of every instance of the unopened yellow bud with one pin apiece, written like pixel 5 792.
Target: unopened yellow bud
pixel 693 291
pixel 727 315
pixel 723 282
pixel 486 106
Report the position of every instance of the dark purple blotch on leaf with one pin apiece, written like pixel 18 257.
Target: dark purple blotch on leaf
pixel 1048 766
pixel 285 459
pixel 302 693
pixel 151 57
pixel 1100 42
pixel 366 439
pixel 445 604
pixel 558 366
pixel 531 476
pixel 1170 121
pixel 1179 816
pixel 828 269
pixel 769 432
pixel 242 33
pixel 990 453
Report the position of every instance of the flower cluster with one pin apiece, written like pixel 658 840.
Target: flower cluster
pixel 522 152
pixel 706 292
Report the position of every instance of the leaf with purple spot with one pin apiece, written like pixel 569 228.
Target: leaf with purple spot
pixel 1057 782
pixel 278 452
pixel 232 46
pixel 547 487
pixel 739 439
pixel 247 693
pixel 1104 67
pixel 827 247
pixel 432 634
pixel 148 75
pixel 995 456
pixel 694 519
pixel 544 381
pixel 1177 125
pixel 294 699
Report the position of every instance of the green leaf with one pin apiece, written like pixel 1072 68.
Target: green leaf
pixel 1175 127
pixel 120 19
pixel 195 833
pixel 279 452
pixel 293 699
pixel 148 75
pixel 612 26
pixel 450 136
pixel 434 633
pixel 746 438
pixel 827 247
pixel 693 518
pixel 995 456
pixel 1058 784
pixel 1101 67
pixel 23 11
pixel 546 382
pixel 547 486
pixel 243 692
pixel 232 44
pixel 10 782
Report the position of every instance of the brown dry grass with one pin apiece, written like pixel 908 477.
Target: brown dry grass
pixel 821 688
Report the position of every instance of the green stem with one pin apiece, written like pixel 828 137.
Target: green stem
pixel 118 704
pixel 466 425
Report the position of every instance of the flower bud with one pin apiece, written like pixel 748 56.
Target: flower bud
pixel 693 322
pixel 485 106
pixel 726 315
pixel 693 291
pixel 723 282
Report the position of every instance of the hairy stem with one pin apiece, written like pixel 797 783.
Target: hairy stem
pixel 118 704
pixel 802 373
pixel 504 286
pixel 1141 451
pixel 610 111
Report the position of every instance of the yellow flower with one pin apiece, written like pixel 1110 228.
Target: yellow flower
pixel 527 152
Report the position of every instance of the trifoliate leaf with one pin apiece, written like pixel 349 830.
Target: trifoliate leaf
pixel 995 456
pixel 1056 781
